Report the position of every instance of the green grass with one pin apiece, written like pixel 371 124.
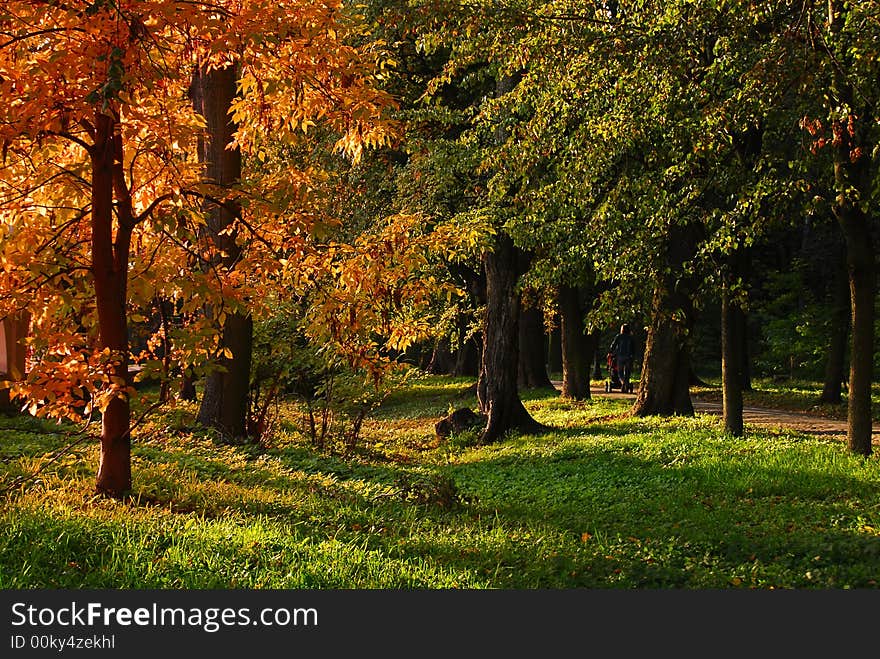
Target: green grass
pixel 603 501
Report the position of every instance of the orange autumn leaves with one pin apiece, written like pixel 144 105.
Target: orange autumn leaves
pixel 62 65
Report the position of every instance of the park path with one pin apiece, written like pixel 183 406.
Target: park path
pixel 801 421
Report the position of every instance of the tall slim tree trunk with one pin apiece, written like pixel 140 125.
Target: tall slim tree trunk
pixel 110 273
pixel 532 350
pixel 224 402
pixel 576 353
pixel 860 260
pixel 853 182
pixel 731 360
pixel 835 363
pixel 497 387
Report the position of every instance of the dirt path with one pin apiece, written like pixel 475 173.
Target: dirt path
pixel 815 425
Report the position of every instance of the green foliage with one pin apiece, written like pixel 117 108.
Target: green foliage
pixel 795 328
pixel 335 399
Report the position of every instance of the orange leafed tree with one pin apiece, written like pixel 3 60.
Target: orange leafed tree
pixel 101 193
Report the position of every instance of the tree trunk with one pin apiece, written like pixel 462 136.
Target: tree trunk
pixel 467 357
pixel 840 312
pixel 13 355
pixel 441 358
pixel 731 361
pixel 110 273
pixel 664 384
pixel 497 387
pixel 853 183
pixel 860 261
pixel 554 349
pixel 225 398
pixel 666 369
pixel 576 353
pixel 532 350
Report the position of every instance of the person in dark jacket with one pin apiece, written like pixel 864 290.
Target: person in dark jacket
pixel 624 349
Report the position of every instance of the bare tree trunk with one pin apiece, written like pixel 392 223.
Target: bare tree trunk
pixel 731 360
pixel 664 385
pixel 497 386
pixel 467 357
pixel 853 184
pixel 110 272
pixel 225 399
pixel 576 351
pixel 860 260
pixel 532 350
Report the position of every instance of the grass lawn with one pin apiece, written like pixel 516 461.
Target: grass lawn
pixel 603 501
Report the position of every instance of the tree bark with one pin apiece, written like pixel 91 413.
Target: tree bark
pixel 532 350
pixel 731 361
pixel 224 402
pixel 664 384
pixel 853 181
pixel 467 357
pixel 497 386
pixel 110 273
pixel 576 351
pixel 13 355
pixel 441 358
pixel 860 261
pixel 835 363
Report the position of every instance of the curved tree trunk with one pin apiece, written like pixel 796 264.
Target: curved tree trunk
pixel 532 350
pixel 225 399
pixel 577 350
pixel 497 386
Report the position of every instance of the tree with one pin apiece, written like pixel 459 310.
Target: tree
pixel 497 387
pixel 101 196
pixel 224 402
pixel 851 58
pixel 577 349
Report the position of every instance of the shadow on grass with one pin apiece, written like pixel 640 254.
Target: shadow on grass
pixel 587 506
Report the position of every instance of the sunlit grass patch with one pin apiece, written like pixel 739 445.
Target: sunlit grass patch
pixel 599 500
